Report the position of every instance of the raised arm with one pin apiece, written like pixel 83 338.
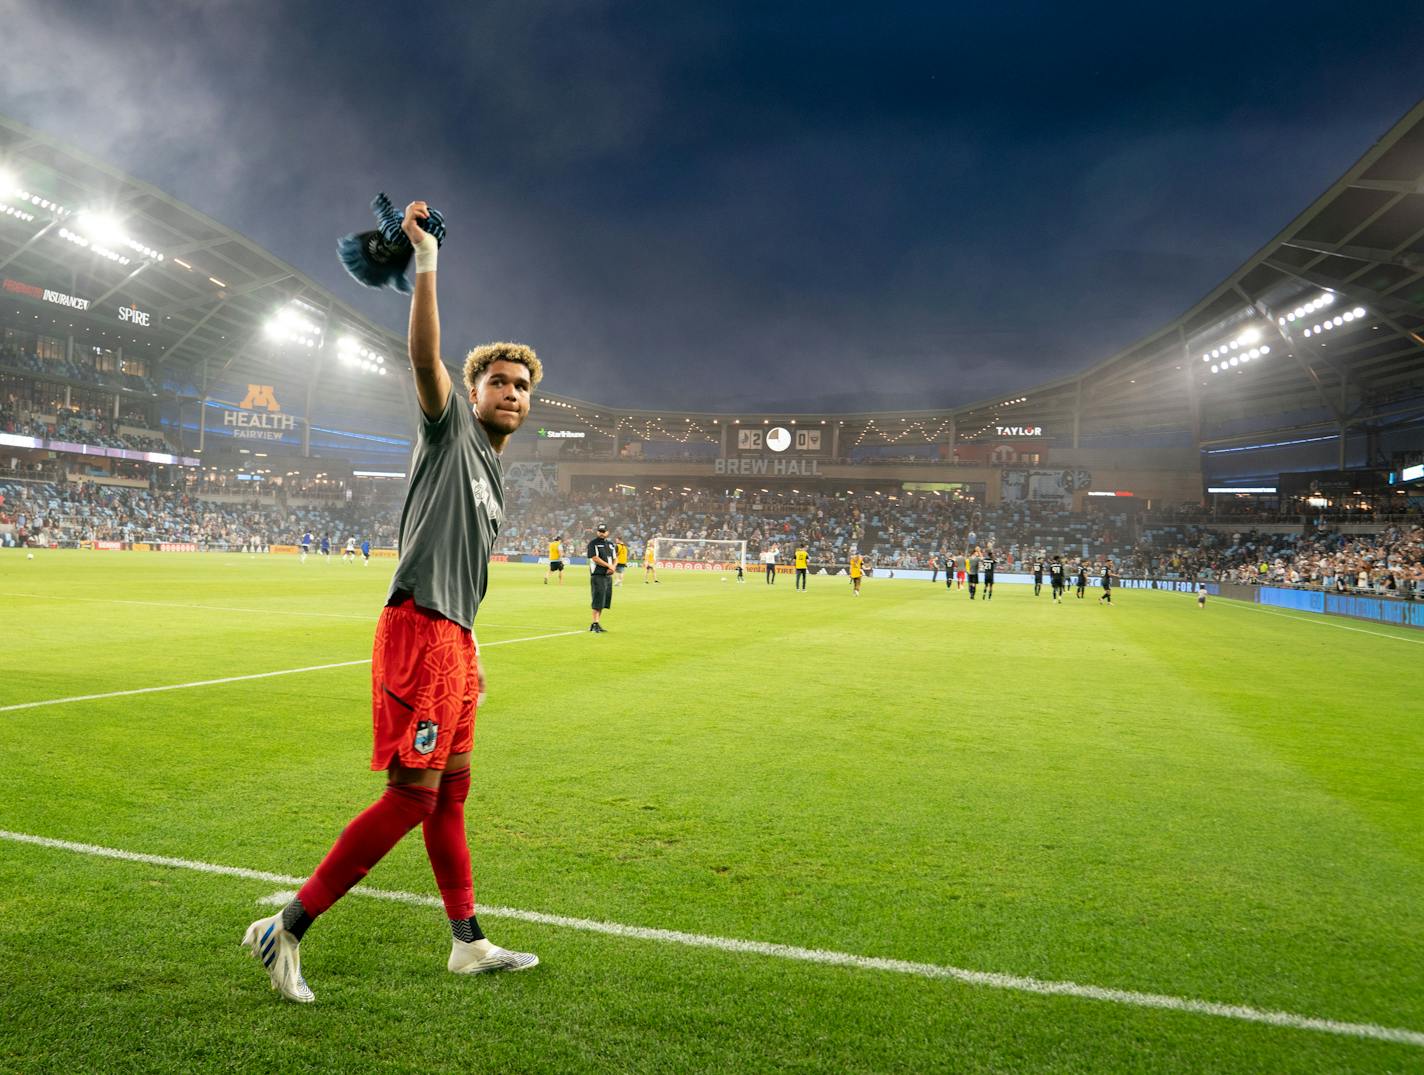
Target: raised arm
pixel 432 382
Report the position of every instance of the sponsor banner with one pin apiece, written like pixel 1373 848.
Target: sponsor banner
pixel 44 294
pixel 1176 585
pixel 256 414
pixel 283 548
pixel 384 554
pixel 108 546
pixel 701 565
pixel 177 546
pixel 132 315
pixel 1019 431
pixel 142 546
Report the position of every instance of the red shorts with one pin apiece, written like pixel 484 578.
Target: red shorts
pixel 424 682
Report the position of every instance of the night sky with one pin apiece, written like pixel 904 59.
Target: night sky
pixel 741 205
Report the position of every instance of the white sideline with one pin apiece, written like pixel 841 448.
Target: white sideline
pixel 239 679
pixel 992 980
pixel 1316 617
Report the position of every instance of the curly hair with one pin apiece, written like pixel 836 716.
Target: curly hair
pixel 480 358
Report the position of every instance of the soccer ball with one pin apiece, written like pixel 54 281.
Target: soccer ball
pixel 724 578
pixel 31 556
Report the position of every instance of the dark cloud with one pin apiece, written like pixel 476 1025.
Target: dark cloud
pixel 709 205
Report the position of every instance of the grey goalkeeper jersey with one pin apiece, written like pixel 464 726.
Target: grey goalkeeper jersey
pixel 452 513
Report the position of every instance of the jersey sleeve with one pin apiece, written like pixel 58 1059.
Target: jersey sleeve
pixel 440 430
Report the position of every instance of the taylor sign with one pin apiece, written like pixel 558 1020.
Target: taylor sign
pixel 1019 431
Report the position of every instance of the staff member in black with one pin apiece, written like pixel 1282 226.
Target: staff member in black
pixel 988 563
pixel 1037 576
pixel 1056 578
pixel 602 556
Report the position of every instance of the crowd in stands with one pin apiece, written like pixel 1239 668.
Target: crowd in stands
pixel 892 531
pixel 80 370
pixel 48 513
pixel 1390 561
pixel 77 425
pixel 906 531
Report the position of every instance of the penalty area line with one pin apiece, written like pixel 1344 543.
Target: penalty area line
pixel 1011 982
pixel 240 679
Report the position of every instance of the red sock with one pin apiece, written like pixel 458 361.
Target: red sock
pixel 364 843
pixel 448 847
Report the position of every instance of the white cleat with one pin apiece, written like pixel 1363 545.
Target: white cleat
pixel 481 957
pixel 276 949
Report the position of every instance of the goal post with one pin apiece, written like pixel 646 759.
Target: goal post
pixel 700 554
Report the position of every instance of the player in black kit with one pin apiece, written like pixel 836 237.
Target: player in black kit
pixel 988 563
pixel 1057 576
pixel 972 562
pixel 1037 576
pixel 1107 583
pixel 1082 579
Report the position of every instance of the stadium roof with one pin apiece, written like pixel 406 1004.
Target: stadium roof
pixel 1359 247
pixel 1356 254
pixel 209 293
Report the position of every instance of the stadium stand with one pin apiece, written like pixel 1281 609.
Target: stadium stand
pixel 1296 386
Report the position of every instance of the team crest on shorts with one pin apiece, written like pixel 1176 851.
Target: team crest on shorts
pixel 425 733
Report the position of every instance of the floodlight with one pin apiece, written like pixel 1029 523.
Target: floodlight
pixel 1235 361
pixel 1251 335
pixel 1358 311
pixel 1215 368
pixel 1265 350
pixel 102 227
pixel 1326 299
pixel 1337 322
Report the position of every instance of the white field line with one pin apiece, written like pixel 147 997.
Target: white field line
pixel 1320 618
pixel 239 679
pixel 1012 982
pixel 367 616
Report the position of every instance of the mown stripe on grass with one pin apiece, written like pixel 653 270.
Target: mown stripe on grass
pixel 369 617
pixel 239 679
pixel 1012 982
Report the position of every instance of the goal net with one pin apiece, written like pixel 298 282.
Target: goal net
pixel 700 554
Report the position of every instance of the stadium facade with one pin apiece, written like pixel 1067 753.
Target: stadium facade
pixel 1308 359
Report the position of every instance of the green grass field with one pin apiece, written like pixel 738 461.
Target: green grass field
pixel 1222 806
